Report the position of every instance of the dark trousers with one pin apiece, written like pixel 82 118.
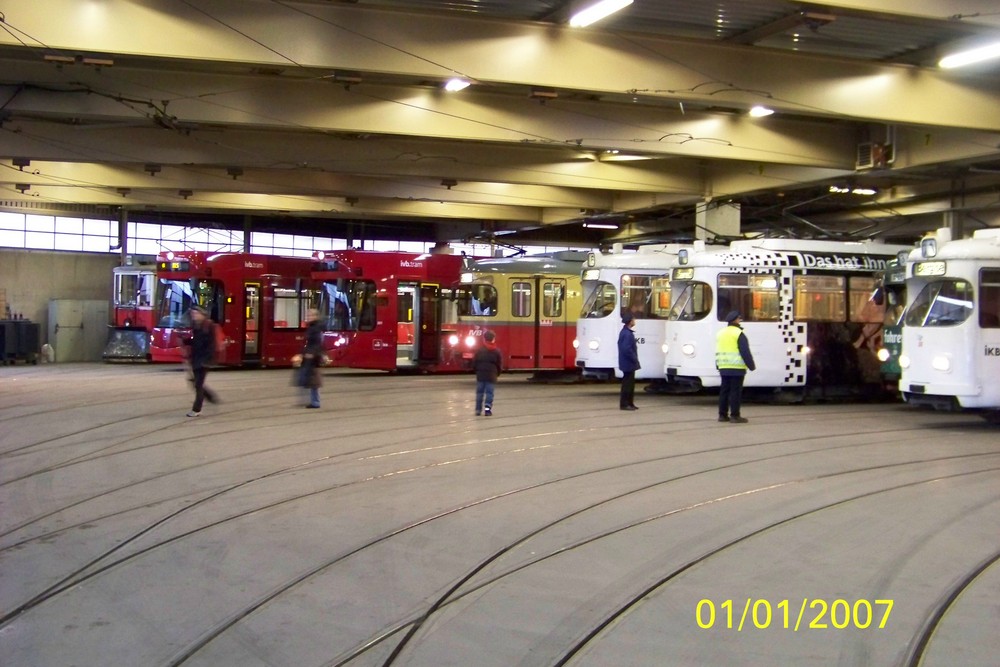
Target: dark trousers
pixel 628 389
pixel 201 392
pixel 730 395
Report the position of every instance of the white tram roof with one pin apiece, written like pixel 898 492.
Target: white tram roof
pixel 776 253
pixel 984 244
pixel 652 257
pixel 564 261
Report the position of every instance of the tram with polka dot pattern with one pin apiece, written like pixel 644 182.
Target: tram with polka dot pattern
pixel 808 310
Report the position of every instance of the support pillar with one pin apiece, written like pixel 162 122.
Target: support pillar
pixel 712 220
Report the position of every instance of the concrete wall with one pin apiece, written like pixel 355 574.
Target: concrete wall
pixel 32 277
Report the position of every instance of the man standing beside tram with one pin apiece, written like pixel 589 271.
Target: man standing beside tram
pixel 733 359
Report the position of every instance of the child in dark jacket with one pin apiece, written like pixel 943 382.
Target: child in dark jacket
pixel 487 363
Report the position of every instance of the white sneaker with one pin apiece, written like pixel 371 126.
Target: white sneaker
pixel 193 414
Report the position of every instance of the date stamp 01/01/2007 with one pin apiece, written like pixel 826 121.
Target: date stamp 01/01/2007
pixel 811 614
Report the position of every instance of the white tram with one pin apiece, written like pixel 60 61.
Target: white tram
pixel 616 282
pixel 807 310
pixel 951 337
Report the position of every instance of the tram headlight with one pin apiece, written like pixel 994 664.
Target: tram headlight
pixel 883 354
pixel 806 349
pixel 453 340
pixel 904 361
pixel 593 345
pixel 688 349
pixel 665 348
pixel 941 363
pixel 470 341
pixel 576 343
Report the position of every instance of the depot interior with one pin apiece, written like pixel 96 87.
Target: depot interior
pixel 133 128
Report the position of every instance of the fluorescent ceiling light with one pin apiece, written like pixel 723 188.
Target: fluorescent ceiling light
pixel 760 112
pixel 597 11
pixel 597 225
pixel 455 85
pixel 971 56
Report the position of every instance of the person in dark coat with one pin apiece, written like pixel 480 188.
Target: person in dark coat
pixel 312 359
pixel 201 355
pixel 488 363
pixel 733 359
pixel 628 361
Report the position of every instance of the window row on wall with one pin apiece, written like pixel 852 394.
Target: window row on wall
pixel 46 232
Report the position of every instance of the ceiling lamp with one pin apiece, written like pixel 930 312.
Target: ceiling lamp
pixel 759 111
pixel 455 85
pixel 597 11
pixel 970 56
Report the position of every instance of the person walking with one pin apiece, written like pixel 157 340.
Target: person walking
pixel 488 363
pixel 733 359
pixel 312 359
pixel 201 355
pixel 628 361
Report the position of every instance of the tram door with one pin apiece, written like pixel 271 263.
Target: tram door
pixel 428 317
pixel 521 344
pixel 251 314
pixel 552 330
pixel 539 323
pixel 406 310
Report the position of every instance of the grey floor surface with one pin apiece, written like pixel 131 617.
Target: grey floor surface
pixel 393 527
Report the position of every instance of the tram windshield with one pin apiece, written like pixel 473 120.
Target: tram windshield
pixel 600 299
pixel 941 303
pixel 477 300
pixel 348 305
pixel 177 297
pixel 648 297
pixel 134 289
pixel 692 301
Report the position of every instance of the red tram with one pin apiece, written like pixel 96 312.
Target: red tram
pixel 133 296
pixel 389 310
pixel 531 302
pixel 260 301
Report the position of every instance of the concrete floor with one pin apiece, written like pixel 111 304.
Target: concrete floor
pixel 394 527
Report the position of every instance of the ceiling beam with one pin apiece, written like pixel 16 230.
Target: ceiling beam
pixel 315 40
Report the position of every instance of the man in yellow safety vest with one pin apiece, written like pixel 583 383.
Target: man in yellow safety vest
pixel 732 358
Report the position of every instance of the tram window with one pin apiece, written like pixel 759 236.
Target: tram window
pixel 601 301
pixel 520 299
pixel 287 308
pixel 754 295
pixel 404 306
pixel 820 299
pixel 128 292
pixel 637 296
pixel 366 297
pixel 941 303
pixel 660 298
pixel 477 300
pixel 866 302
pixel 895 302
pixel 552 299
pixel 693 301
pixel 989 298
pixel 450 303
pixel 348 305
pixel 176 298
